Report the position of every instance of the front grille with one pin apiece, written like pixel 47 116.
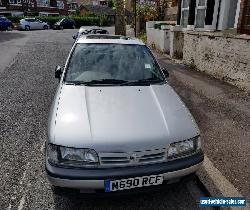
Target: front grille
pixel 117 159
pixel 152 157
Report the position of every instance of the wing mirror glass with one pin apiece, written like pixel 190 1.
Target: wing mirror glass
pixel 58 72
pixel 165 71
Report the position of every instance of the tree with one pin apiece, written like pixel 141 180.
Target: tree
pixel 160 7
pixel 78 13
pixel 111 3
pixel 120 26
pixel 146 11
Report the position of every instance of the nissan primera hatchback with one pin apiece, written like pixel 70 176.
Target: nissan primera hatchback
pixel 116 123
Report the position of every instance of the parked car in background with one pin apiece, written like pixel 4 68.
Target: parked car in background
pixel 84 31
pixel 98 31
pixel 119 124
pixel 5 24
pixel 65 23
pixel 32 24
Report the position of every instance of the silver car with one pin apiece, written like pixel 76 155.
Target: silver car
pixel 115 123
pixel 32 24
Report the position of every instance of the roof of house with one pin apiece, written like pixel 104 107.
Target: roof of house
pixel 98 9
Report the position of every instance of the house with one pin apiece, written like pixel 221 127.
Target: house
pixel 104 10
pixel 74 5
pixel 33 7
pixel 214 15
pixel 99 10
pixel 224 55
pixel 244 18
pixel 95 2
pixel 171 11
pixel 96 9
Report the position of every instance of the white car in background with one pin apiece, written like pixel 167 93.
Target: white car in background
pixel 32 24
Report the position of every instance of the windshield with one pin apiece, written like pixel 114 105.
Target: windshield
pixel 60 21
pixel 95 62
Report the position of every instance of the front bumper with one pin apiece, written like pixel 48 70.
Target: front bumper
pixel 93 178
pixel 20 27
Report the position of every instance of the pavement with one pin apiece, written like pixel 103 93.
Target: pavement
pixel 222 112
pixel 27 87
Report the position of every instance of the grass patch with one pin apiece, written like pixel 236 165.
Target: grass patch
pixel 143 37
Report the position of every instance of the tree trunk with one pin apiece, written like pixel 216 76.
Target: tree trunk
pixel 120 26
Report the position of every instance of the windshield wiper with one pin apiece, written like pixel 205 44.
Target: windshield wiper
pixel 147 81
pixel 98 82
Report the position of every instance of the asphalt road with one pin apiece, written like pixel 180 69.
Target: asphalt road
pixel 27 87
pixel 10 43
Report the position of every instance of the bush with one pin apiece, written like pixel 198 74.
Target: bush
pixel 86 21
pixel 15 19
pixel 50 20
pixel 104 20
pixel 142 36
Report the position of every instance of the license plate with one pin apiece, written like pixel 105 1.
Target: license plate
pixel 130 183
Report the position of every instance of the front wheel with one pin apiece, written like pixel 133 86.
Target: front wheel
pixel 27 28
pixel 9 28
pixel 56 190
pixel 45 27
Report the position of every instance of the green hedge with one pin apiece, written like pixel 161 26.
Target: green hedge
pixel 15 19
pixel 86 21
pixel 90 20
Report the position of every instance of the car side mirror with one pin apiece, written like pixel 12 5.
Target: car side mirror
pixel 165 71
pixel 74 37
pixel 58 72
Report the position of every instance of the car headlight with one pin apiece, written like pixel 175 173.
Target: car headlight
pixel 71 156
pixel 184 148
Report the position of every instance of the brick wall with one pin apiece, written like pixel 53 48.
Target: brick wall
pixel 83 10
pixel 36 9
pixel 242 3
pixel 171 14
pixel 224 57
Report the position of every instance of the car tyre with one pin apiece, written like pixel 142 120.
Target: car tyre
pixel 27 28
pixel 56 190
pixel 10 28
pixel 45 27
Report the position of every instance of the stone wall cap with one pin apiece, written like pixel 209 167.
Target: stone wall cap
pixel 218 34
pixel 175 28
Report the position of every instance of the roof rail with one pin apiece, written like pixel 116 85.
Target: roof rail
pixel 105 36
